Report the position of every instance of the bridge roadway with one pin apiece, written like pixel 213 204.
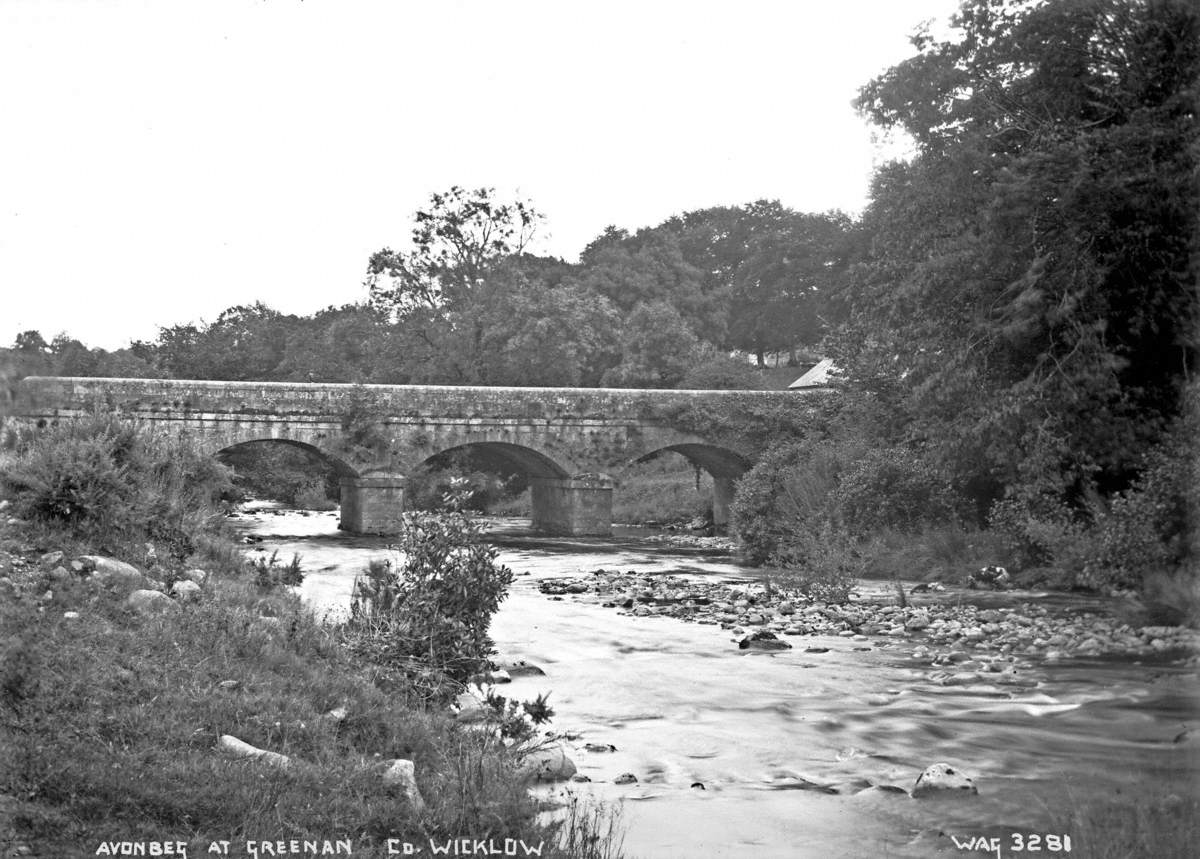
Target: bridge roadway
pixel 574 444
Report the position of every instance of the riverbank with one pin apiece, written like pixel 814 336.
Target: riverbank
pixel 145 701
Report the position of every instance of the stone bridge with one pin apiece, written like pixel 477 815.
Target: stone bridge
pixel 574 444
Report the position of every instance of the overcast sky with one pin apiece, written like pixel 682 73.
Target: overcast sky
pixel 160 162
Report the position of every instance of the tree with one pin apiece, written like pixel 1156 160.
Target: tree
pixel 31 343
pixel 455 243
pixel 1030 283
pixel 657 348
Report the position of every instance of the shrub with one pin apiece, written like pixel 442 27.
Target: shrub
pixel 1148 528
pixel 823 565
pixel 892 488
pixel 270 574
pixel 428 614
pixel 115 480
pixel 784 494
pixel 1042 533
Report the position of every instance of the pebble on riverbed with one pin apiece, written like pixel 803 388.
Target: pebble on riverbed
pixel 978 641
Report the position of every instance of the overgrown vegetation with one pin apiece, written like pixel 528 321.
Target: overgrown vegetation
pixel 109 717
pixel 424 619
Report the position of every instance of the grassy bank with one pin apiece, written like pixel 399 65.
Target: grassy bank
pixel 111 719
pixel 112 715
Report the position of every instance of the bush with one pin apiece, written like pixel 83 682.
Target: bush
pixel 823 565
pixel 784 495
pixel 1042 533
pixel 114 480
pixel 892 488
pixel 1148 528
pixel 427 615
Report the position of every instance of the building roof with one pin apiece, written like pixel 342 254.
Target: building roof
pixel 817 377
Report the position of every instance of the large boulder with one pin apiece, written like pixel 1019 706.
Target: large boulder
pixel 151 602
pixel 112 573
pixel 763 640
pixel 545 763
pixel 401 775
pixel 943 780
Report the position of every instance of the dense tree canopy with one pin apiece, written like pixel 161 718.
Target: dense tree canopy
pixel 1029 276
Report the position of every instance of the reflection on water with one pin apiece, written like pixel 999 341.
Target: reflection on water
pixel 795 750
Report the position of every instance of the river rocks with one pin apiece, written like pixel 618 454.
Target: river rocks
pixel 148 602
pixel 519 668
pixel 232 747
pixel 545 763
pixel 51 559
pixel 763 640
pixel 950 629
pixel 401 775
pixel 943 780
pixel 625 778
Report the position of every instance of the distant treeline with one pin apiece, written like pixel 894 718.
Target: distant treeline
pixel 1014 314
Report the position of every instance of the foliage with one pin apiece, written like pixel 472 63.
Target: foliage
pixel 891 488
pixel 714 371
pixel 269 573
pixel 454 243
pixel 431 610
pixel 1151 527
pixel 1029 285
pixel 785 495
pixel 518 719
pixel 283 472
pixel 657 349
pixel 820 562
pixel 111 479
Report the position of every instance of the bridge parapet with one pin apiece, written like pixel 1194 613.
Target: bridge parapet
pixel 44 396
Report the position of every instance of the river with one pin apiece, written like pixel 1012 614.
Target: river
pixel 785 744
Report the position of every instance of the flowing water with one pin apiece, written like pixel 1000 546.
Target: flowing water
pixel 785 743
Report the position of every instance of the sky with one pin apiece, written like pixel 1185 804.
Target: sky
pixel 160 162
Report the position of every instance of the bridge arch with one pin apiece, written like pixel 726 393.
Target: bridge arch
pixel 337 465
pixel 725 466
pixel 506 457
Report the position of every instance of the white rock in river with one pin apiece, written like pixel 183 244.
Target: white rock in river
pixel 942 780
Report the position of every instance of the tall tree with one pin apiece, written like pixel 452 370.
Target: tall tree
pixel 1031 282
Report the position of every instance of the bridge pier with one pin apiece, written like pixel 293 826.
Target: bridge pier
pixel 722 498
pixel 572 506
pixel 372 505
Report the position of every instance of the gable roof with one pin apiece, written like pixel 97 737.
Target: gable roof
pixel 817 377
